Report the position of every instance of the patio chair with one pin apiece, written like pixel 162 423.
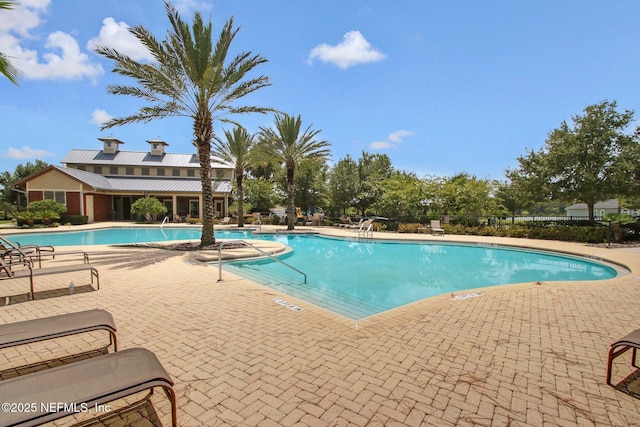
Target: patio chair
pixel 10 252
pixel 225 220
pixel 46 328
pixel 354 226
pixel 7 272
pixel 629 341
pixel 436 228
pixel 84 385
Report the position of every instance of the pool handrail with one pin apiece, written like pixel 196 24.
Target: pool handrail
pixel 258 250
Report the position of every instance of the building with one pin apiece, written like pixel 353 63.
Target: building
pixel 103 184
pixel 600 209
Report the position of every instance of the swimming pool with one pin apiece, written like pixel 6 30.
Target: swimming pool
pixel 357 278
pixel 121 235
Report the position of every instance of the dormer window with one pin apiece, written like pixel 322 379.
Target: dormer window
pixel 111 145
pixel 157 147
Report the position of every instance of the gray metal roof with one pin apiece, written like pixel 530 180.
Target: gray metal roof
pixel 93 179
pixel 607 204
pixel 143 184
pixel 165 185
pixel 136 158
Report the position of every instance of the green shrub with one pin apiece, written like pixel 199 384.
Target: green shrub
pixel 408 228
pixel 149 207
pixel 75 219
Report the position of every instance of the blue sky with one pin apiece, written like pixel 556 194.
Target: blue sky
pixel 441 87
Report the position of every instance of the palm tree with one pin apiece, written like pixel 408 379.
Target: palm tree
pixel 6 68
pixel 237 150
pixel 286 146
pixel 190 77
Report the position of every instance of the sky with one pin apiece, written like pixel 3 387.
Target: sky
pixel 441 87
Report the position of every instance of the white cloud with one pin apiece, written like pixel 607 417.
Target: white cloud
pixel 392 141
pixel 27 153
pixel 187 6
pixel 400 135
pixel 61 58
pixel 23 18
pixel 354 50
pixel 100 117
pixel 381 145
pixel 116 35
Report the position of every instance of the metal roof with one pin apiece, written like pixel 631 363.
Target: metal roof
pixel 136 158
pixel 143 184
pixel 92 179
pixel 165 185
pixel 607 204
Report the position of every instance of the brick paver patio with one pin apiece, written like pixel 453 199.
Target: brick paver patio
pixel 521 355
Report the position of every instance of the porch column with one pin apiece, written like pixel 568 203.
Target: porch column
pixel 174 203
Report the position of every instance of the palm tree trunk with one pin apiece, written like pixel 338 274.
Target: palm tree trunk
pixel 203 131
pixel 292 198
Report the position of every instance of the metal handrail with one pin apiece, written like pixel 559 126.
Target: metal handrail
pixel 258 250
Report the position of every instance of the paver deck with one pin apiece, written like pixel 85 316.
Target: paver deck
pixel 520 355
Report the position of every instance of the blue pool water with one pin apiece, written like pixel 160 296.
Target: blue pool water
pixel 120 235
pixel 360 278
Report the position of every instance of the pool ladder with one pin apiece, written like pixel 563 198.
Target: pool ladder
pixel 257 250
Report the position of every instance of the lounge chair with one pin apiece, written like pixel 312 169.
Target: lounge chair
pixel 225 220
pixel 58 392
pixel 46 328
pixel 436 228
pixel 630 341
pixel 7 272
pixel 354 226
pixel 10 252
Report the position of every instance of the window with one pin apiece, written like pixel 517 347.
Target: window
pixel 113 170
pixel 97 169
pixel 82 168
pixel 145 171
pixel 219 173
pixel 175 172
pixel 58 196
pixel 160 172
pixel 129 171
pixel 191 172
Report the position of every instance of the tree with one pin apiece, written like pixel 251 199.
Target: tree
pixel 401 195
pixel 465 196
pixel 149 207
pixel 10 196
pixel 191 77
pixel 372 170
pixel 288 147
pixel 310 182
pixel 237 150
pixel 591 161
pixel 343 183
pixel 6 68
pixel 512 198
pixel 260 193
